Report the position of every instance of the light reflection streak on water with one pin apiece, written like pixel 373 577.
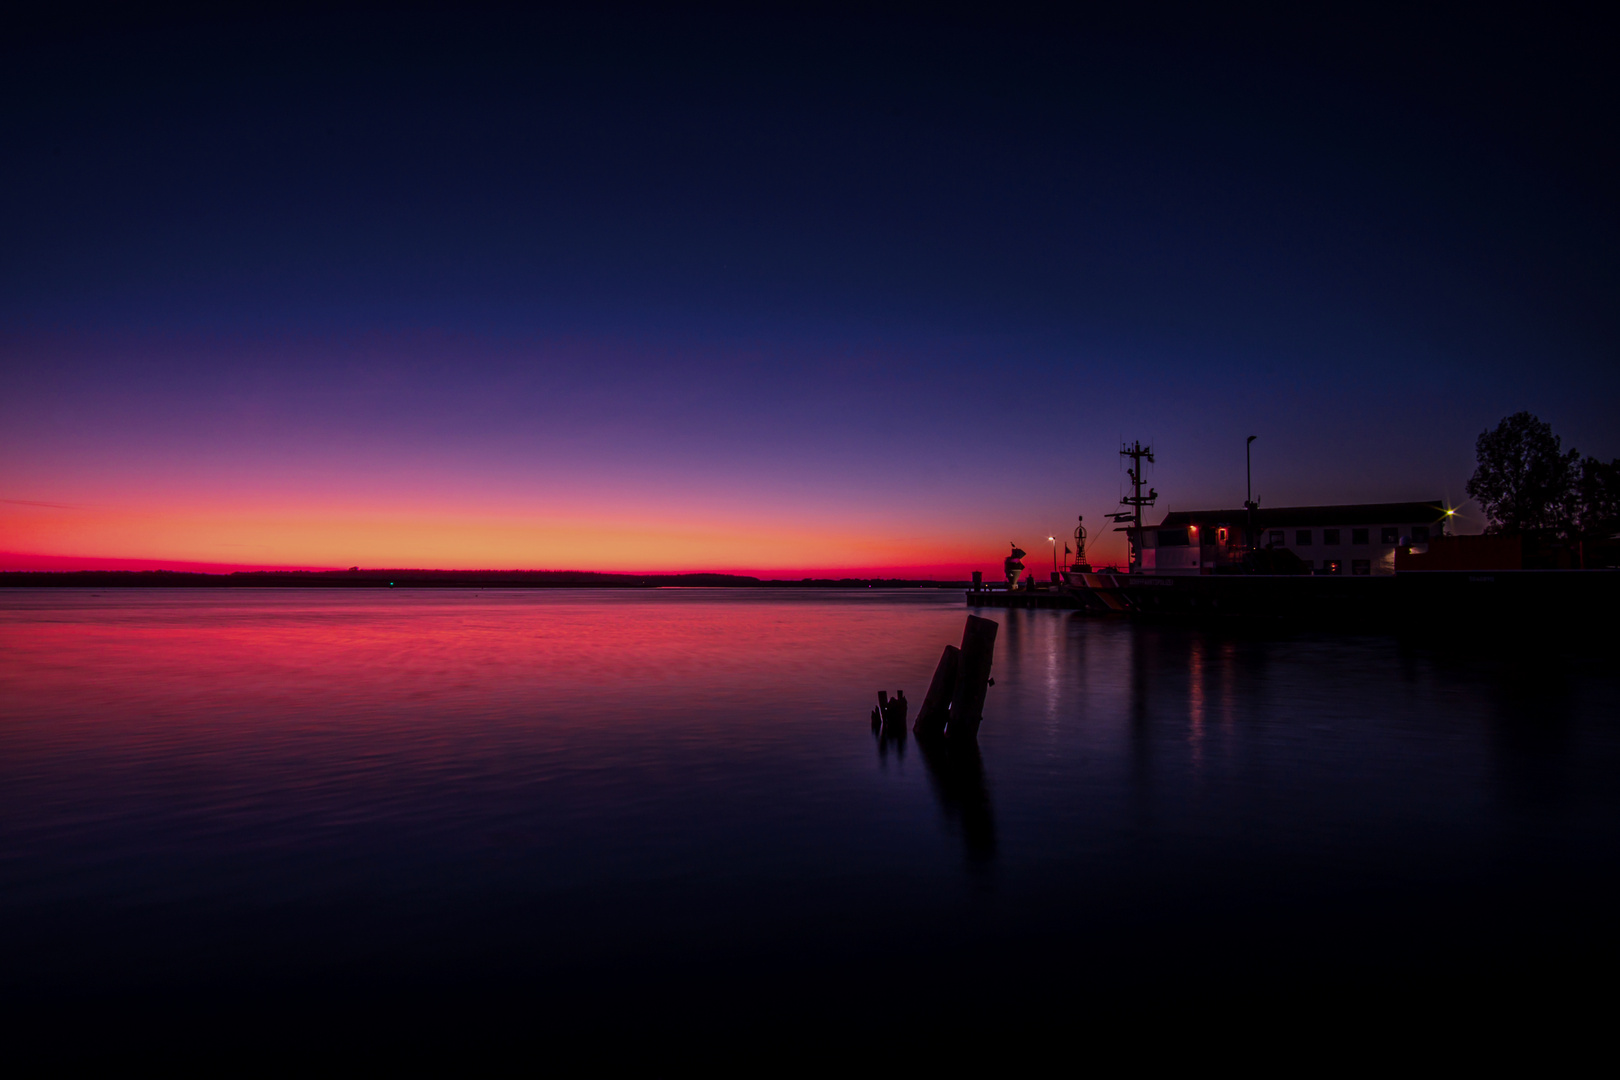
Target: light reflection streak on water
pixel 1195 701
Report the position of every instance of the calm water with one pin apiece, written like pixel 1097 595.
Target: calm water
pixel 594 798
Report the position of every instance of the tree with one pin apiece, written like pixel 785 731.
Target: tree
pixel 1524 482
pixel 1595 500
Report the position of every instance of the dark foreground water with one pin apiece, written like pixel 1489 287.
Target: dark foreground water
pixel 622 813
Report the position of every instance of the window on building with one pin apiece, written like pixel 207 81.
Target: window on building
pixel 1330 536
pixel 1277 537
pixel 1358 536
pixel 1302 538
pixel 1392 535
pixel 1360 567
pixel 1420 534
pixel 1220 534
pixel 1332 566
pixel 1172 537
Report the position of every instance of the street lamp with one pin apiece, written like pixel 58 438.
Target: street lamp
pixel 1249 504
pixel 1053 540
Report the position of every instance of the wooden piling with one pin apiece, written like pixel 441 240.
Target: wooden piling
pixel 894 723
pixel 973 678
pixel 936 706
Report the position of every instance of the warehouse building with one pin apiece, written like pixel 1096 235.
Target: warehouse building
pixel 1359 539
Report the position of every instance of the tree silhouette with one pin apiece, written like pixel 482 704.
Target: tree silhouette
pixel 1524 482
pixel 1595 500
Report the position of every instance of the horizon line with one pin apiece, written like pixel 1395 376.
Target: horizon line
pixel 27 562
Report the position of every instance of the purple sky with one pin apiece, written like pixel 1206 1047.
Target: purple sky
pixel 783 294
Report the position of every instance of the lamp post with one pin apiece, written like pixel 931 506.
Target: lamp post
pixel 1249 504
pixel 1053 540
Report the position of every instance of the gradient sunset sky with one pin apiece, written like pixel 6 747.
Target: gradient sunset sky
pixel 784 294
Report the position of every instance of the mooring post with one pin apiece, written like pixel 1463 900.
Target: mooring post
pixel 895 723
pixel 936 706
pixel 973 677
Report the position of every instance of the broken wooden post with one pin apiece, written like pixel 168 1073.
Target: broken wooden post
pixel 973 678
pixel 936 706
pixel 895 722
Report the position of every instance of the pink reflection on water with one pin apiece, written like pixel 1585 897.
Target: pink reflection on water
pixel 333 678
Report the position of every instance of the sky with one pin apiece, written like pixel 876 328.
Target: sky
pixel 800 292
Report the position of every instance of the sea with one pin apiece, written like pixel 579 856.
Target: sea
pixel 618 818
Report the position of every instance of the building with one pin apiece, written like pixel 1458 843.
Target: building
pixel 1358 539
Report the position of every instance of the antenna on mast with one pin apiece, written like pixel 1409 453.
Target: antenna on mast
pixel 1135 500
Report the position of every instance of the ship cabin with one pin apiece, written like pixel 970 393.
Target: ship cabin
pixel 1360 539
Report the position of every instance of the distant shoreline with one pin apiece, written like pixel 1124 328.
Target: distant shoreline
pixel 443 579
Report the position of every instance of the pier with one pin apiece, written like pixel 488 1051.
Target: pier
pixel 1023 599
pixel 1567 602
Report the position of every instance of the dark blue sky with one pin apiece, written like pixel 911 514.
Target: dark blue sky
pixel 908 278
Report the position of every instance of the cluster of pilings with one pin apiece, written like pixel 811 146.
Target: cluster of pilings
pixel 954 705
pixel 947 732
pixel 889 718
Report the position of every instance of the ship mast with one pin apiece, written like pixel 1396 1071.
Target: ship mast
pixel 1136 500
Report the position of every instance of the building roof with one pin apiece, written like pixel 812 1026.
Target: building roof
pixel 1282 517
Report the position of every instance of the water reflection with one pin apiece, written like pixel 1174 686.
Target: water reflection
pixel 1195 701
pixel 889 724
pixel 1533 731
pixel 956 773
pixel 189 783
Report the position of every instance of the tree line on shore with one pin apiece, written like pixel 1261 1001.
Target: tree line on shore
pixel 1529 485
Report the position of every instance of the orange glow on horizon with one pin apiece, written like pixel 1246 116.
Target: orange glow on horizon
pixel 195 539
pixel 719 532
